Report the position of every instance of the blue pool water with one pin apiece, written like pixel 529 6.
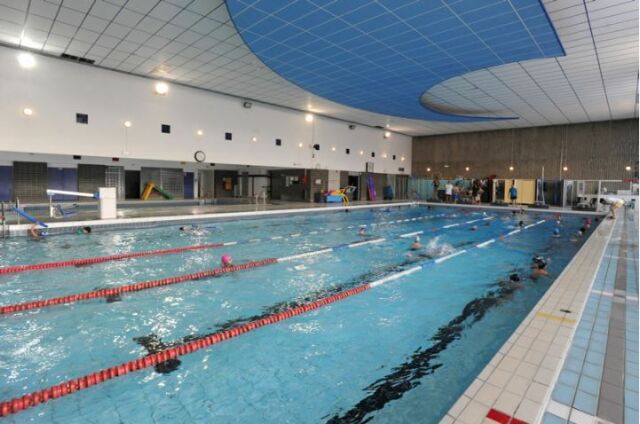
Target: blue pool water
pixel 400 352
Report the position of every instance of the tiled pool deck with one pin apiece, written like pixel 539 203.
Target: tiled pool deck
pixel 575 356
pixel 599 378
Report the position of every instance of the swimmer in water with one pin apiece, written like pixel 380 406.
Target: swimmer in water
pixel 556 232
pixel 226 261
pixel 473 228
pixel 362 231
pixel 83 230
pixel 521 224
pixel 539 267
pixel 193 229
pixel 416 244
pixel 35 233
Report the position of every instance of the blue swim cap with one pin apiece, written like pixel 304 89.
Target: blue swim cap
pixel 556 231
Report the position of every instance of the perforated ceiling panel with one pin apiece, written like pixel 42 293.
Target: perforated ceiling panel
pixel 382 56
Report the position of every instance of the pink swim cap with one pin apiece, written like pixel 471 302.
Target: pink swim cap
pixel 226 260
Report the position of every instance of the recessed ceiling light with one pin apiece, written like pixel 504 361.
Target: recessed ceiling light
pixel 361 152
pixel 428 169
pixel 627 168
pixel 384 155
pixel 402 158
pixel 26 60
pixel 254 139
pixel 27 111
pixel 300 144
pixel 387 134
pixel 446 166
pixel 511 168
pixel 333 148
pixel 565 168
pixel 127 124
pixel 199 132
pixel 161 88
pixel 308 117
pixel 466 168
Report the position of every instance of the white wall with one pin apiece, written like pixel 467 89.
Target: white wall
pixel 56 90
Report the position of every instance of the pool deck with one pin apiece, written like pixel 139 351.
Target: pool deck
pixel 574 358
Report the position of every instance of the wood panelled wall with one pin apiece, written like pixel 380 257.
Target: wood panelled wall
pixel 599 150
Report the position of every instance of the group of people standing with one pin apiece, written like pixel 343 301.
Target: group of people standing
pixel 455 192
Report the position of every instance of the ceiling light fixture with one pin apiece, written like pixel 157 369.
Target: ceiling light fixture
pixel 127 124
pixel 200 132
pixel 161 88
pixel 446 166
pixel 387 134
pixel 565 168
pixel 27 111
pixel 308 117
pixel 466 168
pixel 361 152
pixel 300 144
pixel 428 169
pixel 627 168
pixel 254 139
pixel 511 168
pixel 402 158
pixel 26 60
pixel 333 149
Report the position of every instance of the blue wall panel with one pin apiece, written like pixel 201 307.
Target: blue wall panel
pixel 63 179
pixel 188 185
pixel 6 183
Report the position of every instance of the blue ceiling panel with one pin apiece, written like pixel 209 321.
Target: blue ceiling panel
pixel 382 55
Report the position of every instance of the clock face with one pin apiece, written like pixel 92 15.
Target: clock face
pixel 199 156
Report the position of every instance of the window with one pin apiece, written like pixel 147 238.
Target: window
pixel 228 136
pixel 165 129
pixel 77 157
pixel 347 151
pixel 82 118
pixel 373 154
pixel 394 157
pixel 278 142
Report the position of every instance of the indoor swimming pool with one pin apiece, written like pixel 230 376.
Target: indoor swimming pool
pixel 323 318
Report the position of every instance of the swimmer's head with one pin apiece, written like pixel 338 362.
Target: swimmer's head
pixel 473 228
pixel 514 278
pixel 521 223
pixel 556 231
pixel 183 228
pixel 417 239
pixel 86 230
pixel 226 260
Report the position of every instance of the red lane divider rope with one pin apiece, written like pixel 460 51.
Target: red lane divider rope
pixel 86 261
pixel 70 386
pixel 77 297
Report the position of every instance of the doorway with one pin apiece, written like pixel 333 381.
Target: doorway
pixel 354 181
pixel 131 184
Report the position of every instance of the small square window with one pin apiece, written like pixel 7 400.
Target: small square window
pixel 82 118
pixel 165 129
pixel 278 142
pixel 77 157
pixel 347 151
pixel 373 154
pixel 228 136
pixel 394 157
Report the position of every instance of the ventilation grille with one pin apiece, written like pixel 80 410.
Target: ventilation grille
pixel 77 59
pixel 30 181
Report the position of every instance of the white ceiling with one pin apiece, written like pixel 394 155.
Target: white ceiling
pixel 193 42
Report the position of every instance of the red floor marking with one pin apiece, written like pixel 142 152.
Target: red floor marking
pixel 503 418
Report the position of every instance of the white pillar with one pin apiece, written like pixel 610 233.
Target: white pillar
pixel 107 203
